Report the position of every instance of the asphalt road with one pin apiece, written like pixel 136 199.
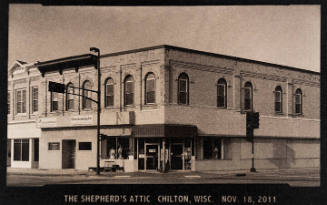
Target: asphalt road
pixel 301 179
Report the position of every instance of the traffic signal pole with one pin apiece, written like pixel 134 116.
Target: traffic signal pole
pixel 252 122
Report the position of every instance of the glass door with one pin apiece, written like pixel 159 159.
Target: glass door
pixel 176 154
pixel 152 156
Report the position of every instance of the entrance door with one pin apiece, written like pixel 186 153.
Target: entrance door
pixel 176 152
pixel 152 156
pixel 68 154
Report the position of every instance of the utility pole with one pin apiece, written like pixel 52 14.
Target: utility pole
pixel 99 106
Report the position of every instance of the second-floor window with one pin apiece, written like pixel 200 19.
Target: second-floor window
pixel 298 101
pixel 109 92
pixel 35 99
pixel 86 102
pixel 248 96
pixel 54 101
pixel 21 101
pixel 183 89
pixel 278 99
pixel 150 93
pixel 129 90
pixel 70 97
pixel 222 93
pixel 8 102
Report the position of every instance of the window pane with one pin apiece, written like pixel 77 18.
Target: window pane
pixel 129 87
pixel 70 104
pixel 150 85
pixel 36 149
pixel 150 97
pixel 25 150
pixel 109 100
pixel 298 99
pixel 278 107
pixel 247 98
pixel 85 146
pixel 182 85
pixel 17 150
pixel 24 102
pixel 221 96
pixel 129 99
pixel 109 90
pixel 182 98
pixel 277 96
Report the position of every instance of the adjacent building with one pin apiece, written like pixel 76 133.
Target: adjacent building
pixel 164 105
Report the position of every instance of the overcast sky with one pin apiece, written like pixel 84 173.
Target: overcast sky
pixel 286 35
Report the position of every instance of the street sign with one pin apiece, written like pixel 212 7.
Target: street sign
pixel 56 87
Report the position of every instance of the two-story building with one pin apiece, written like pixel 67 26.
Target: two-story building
pixel 167 105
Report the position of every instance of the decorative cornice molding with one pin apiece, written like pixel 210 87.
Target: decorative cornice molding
pixel 18 81
pixel 263 76
pixel 208 68
pixel 305 82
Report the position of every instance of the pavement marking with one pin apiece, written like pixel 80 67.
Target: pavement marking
pixel 121 176
pixel 193 176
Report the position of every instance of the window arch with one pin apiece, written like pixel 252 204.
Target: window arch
pixel 298 101
pixel 86 102
pixel 183 89
pixel 150 88
pixel 70 97
pixel 129 90
pixel 278 99
pixel 248 96
pixel 222 93
pixel 109 92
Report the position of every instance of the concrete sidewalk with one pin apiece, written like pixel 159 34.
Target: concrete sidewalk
pixel 74 172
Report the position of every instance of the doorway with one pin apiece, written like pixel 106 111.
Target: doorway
pixel 68 154
pixel 152 156
pixel 176 154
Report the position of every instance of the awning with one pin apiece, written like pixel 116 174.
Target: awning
pixel 164 130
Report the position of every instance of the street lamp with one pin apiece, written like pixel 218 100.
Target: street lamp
pixel 96 50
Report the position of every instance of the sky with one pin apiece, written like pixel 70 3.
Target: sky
pixel 285 35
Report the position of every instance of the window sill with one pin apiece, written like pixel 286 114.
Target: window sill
pixel 21 115
pixel 296 115
pixel 279 113
pixel 223 108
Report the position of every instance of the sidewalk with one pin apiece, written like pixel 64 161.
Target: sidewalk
pixel 73 172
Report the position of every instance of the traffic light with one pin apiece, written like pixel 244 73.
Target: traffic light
pixel 56 87
pixel 252 119
pixel 255 120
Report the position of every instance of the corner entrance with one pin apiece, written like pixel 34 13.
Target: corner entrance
pixel 176 154
pixel 152 156
pixel 68 154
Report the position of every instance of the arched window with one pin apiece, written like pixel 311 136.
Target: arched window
pixel 70 97
pixel 298 101
pixel 150 89
pixel 86 102
pixel 222 93
pixel 248 99
pixel 129 90
pixel 183 89
pixel 109 92
pixel 278 99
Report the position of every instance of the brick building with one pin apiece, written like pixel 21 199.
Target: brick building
pixel 165 104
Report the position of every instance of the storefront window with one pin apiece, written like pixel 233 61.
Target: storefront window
pixel 115 147
pixel 21 149
pixel 212 148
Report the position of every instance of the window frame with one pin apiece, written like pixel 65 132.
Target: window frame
pixel 54 98
pixel 222 82
pixel 109 82
pixel 248 86
pixel 279 90
pixel 52 146
pixel 20 101
pixel 35 99
pixel 85 146
pixel 86 94
pixel 70 100
pixel 183 77
pixel 22 153
pixel 149 77
pixel 298 93
pixel 129 79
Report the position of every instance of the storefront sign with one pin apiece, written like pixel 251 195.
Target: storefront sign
pixel 46 122
pixel 82 120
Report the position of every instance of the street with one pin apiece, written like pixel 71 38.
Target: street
pixel 304 178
